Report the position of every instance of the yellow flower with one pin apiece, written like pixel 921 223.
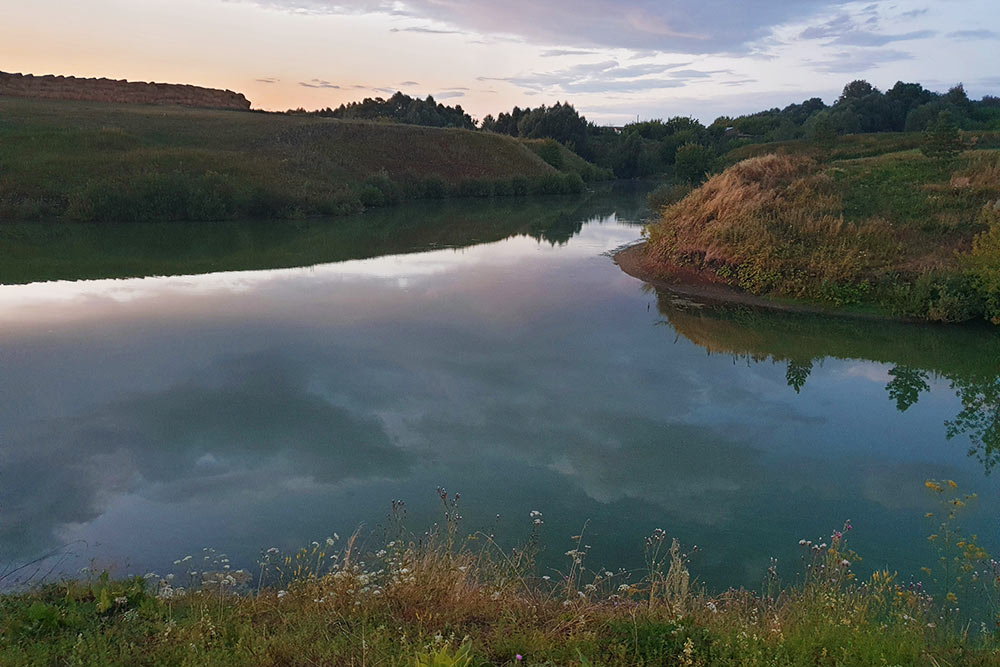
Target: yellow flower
pixel 952 484
pixel 952 597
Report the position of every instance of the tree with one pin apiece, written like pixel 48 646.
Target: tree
pixel 628 155
pixel 692 162
pixel 855 90
pixel 942 140
pixel 957 96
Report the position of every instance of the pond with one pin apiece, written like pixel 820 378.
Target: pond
pixel 168 388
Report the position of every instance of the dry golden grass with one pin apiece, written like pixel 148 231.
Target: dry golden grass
pixel 772 221
pixel 888 229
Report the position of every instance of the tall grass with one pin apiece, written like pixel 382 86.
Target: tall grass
pixel 440 597
pixel 888 230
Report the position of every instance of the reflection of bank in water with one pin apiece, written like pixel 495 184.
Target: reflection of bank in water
pixel 968 356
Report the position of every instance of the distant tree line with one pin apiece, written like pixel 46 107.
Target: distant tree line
pixel 400 108
pixel 688 149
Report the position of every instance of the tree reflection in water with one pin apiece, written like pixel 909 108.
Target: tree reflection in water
pixel 968 356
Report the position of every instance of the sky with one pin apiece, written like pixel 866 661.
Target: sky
pixel 614 60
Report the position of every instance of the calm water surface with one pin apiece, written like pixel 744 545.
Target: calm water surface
pixel 248 401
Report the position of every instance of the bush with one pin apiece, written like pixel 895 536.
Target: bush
pixel 173 196
pixel 982 264
pixel 550 151
pixel 667 194
pixel 475 188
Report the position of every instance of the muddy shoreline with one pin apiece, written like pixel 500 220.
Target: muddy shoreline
pixel 688 283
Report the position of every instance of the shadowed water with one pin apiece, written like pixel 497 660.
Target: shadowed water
pixel 490 349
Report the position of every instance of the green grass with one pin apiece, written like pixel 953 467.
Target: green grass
pixel 95 162
pixel 440 598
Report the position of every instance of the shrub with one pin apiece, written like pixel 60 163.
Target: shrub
pixel 982 264
pixel 550 151
pixel 667 194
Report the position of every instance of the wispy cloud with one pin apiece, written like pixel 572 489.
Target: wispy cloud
pixel 974 34
pixel 865 38
pixel 849 62
pixel 555 53
pixel 268 79
pixel 429 31
pixel 318 83
pixel 609 76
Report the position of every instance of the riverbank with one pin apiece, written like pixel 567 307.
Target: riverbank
pixel 93 161
pixel 900 232
pixel 708 288
pixel 439 598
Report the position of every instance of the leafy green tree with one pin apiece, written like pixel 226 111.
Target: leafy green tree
pixel 855 90
pixel 628 156
pixel 693 162
pixel 823 133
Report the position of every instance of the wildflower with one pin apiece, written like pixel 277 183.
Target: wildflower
pixel 121 600
pixel 711 607
pixel 282 594
pixel 535 514
pixel 845 563
pixel 519 657
pixel 802 543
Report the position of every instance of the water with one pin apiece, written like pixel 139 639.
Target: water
pixel 490 349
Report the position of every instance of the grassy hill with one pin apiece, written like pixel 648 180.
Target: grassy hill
pixel 94 161
pixel 872 222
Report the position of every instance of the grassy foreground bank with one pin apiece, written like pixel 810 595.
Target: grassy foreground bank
pixel 89 161
pixel 437 598
pixel 872 223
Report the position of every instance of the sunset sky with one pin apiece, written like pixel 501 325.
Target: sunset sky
pixel 612 59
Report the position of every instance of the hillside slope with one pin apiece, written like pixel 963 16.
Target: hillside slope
pixel 914 235
pixel 93 161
